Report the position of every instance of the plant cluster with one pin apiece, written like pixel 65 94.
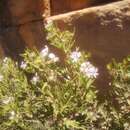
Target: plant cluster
pixel 42 93
pixel 120 91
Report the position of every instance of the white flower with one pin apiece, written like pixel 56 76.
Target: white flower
pixel 53 57
pixel 44 52
pixel 5 59
pixel 23 65
pixel 49 23
pixel 68 77
pixel 1 77
pixel 89 70
pixel 35 79
pixel 84 66
pixel 12 115
pixel 126 125
pixel 7 100
pixel 75 56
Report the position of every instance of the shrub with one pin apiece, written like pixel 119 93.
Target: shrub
pixel 120 91
pixel 43 93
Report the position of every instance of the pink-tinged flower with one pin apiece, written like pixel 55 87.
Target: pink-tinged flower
pixel 75 56
pixel 53 57
pixel 89 70
pixel 23 65
pixel 44 52
pixel 5 59
pixel 35 79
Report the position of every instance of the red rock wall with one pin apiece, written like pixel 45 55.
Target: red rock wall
pixel 63 6
pixel 22 24
pixel 22 21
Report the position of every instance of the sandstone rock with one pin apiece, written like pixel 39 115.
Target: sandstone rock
pixel 12 42
pixel 2 52
pixel 103 31
pixel 63 6
pixel 22 24
pixel 47 8
pixel 23 11
pixel 33 34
